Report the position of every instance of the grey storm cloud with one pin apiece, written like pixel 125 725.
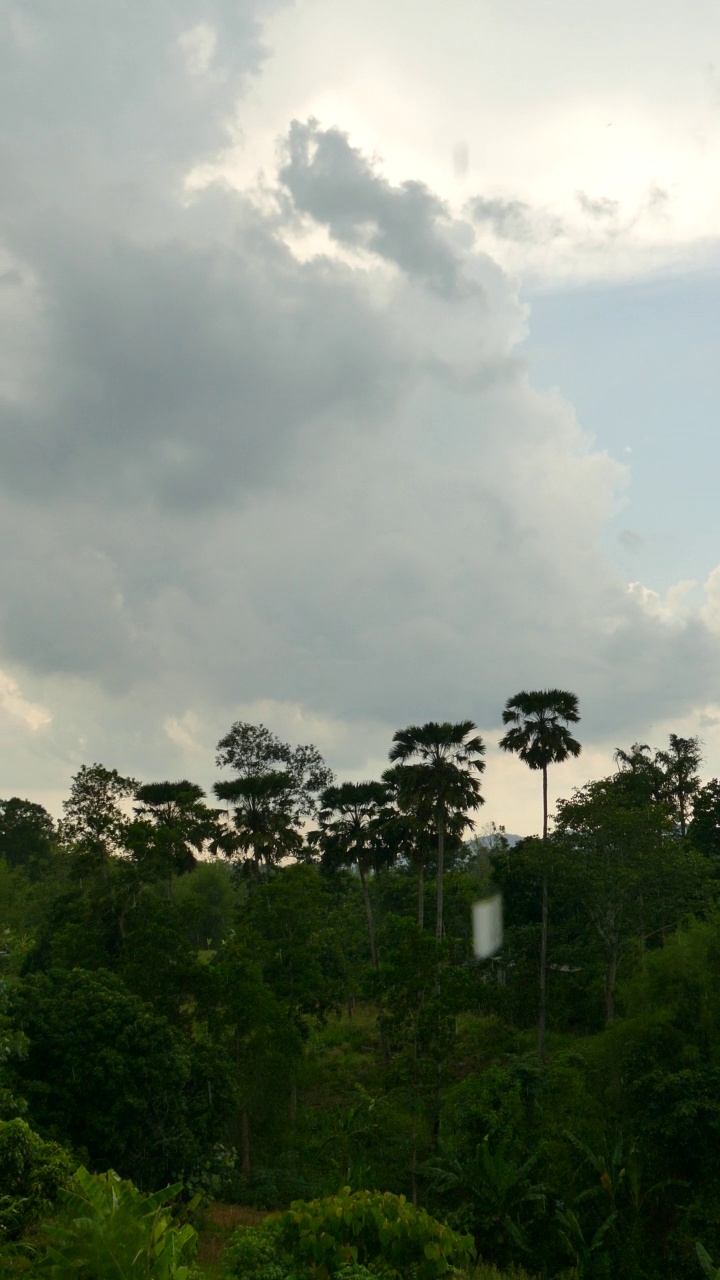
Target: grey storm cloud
pixel 339 187
pixel 231 474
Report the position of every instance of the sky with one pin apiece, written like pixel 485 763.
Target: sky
pixel 358 367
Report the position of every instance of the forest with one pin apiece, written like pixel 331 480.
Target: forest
pixel 245 1033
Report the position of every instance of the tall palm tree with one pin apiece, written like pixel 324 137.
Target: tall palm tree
pixel 446 759
pixel 264 823
pixel 539 735
pixel 351 833
pixel 409 825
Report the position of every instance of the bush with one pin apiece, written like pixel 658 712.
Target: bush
pixel 375 1229
pixel 350 1236
pixel 32 1174
pixel 256 1252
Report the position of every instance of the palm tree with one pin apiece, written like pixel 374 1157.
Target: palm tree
pixel 172 825
pixel 446 759
pixel 263 820
pixel 409 825
pixel 540 737
pixel 351 833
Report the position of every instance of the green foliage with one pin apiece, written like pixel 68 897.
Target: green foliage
pixel 375 1229
pixel 27 836
pixel 496 1194
pixel 257 1252
pixel 103 1070
pixel 111 1231
pixel 32 1173
pixel 186 1022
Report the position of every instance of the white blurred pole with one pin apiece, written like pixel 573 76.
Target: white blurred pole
pixel 487 926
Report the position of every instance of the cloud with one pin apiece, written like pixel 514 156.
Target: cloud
pixel 631 541
pixel 18 708
pixel 515 219
pixel 340 188
pixel 244 483
pixel 600 207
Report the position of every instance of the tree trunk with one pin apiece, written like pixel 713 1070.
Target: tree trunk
pixel 542 1011
pixel 440 873
pixel 370 917
pixel 421 895
pixel 543 968
pixel 610 979
pixel 245 1142
pixel 374 954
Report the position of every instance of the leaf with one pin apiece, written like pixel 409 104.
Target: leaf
pixel 706 1262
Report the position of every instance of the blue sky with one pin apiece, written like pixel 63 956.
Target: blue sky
pixel 640 362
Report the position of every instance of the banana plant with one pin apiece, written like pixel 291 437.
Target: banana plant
pixel 498 1194
pixel 582 1249
pixel 111 1231
pixel 708 1266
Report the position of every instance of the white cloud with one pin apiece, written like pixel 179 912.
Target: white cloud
pixel 614 101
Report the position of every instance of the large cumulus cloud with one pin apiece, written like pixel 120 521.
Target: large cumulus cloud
pixel 234 473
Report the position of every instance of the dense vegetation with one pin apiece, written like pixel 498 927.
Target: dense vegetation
pixel 270 997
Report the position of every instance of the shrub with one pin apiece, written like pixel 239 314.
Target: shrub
pixel 257 1252
pixel 374 1229
pixel 32 1173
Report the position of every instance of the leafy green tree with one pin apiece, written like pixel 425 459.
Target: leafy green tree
pixel 680 765
pixel 639 778
pixel 539 735
pixel 105 1073
pixel 251 751
pixel 27 836
pixel 447 759
pixel 206 900
pixel 95 820
pixel 264 822
pixel 289 919
pixel 351 834
pixel 263 1043
pixel 659 1063
pixel 625 869
pixel 704 830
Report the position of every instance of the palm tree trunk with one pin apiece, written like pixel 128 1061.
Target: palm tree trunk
pixel 440 872
pixel 370 917
pixel 421 895
pixel 543 968
pixel 385 1047
pixel 542 1011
